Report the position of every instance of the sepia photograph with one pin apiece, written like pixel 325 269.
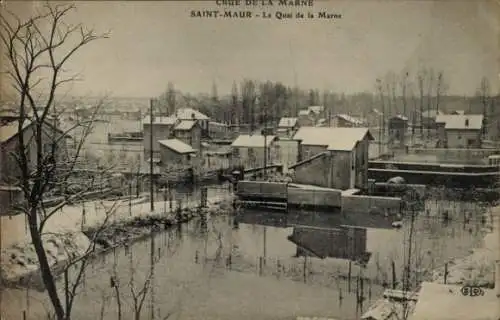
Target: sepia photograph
pixel 250 159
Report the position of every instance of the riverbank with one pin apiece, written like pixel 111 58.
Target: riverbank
pixel 67 235
pixel 477 268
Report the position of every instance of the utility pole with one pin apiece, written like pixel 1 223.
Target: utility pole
pixel 151 154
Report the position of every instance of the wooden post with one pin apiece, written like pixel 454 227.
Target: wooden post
pixel 445 272
pixel 305 268
pixel 349 277
pixel 393 265
pixel 151 191
pixel 260 266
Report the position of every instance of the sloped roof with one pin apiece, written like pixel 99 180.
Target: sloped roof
pixel 190 113
pixel 252 141
pixel 400 117
pixel 336 139
pixel 316 109
pixel 461 121
pixel 170 120
pixel 185 125
pixel 304 112
pixel 287 122
pixel 350 119
pixel 177 146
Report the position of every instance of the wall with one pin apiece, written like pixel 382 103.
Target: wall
pixel 313 171
pixel 449 154
pixel 170 158
pixel 340 166
pixel 361 171
pixel 254 157
pixel 363 204
pixel 459 138
pixel 288 152
pixel 9 196
pixel 262 189
pixel 328 198
pixel 160 132
pixel 308 151
pixel 305 121
pixel 191 137
pixel 10 167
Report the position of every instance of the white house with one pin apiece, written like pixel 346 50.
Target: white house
pixel 249 150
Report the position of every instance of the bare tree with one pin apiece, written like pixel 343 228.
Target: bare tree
pixel 420 81
pixel 484 97
pixel 40 161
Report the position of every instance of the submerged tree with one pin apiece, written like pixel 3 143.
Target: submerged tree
pixel 35 64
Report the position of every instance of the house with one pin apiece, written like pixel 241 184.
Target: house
pixel 192 114
pixel 218 131
pixel 398 126
pixel 333 157
pixel 176 153
pixel 306 118
pixel 317 112
pixel 346 121
pixel 162 129
pixel 189 131
pixel 250 150
pixel 458 112
pixel 287 126
pixel 460 131
pixel 52 137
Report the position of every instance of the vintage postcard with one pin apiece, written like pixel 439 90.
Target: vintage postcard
pixel 250 159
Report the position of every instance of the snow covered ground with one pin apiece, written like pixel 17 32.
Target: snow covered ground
pixel 479 267
pixel 63 237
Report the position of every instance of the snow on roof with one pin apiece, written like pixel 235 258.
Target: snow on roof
pixel 304 112
pixel 400 117
pixel 350 119
pixel 316 109
pixel 461 121
pixel 185 125
pixel 340 139
pixel 170 120
pixel 177 145
pixel 252 141
pixel 287 122
pixel 190 113
pixel 446 302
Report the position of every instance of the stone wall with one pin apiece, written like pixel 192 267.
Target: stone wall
pixel 312 197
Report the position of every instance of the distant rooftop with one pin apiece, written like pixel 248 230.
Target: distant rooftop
pixel 252 141
pixel 350 119
pixel 167 120
pixel 177 146
pixel 189 113
pixel 287 122
pixel 338 139
pixel 461 121
pixel 185 125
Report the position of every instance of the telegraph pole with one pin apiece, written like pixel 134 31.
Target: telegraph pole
pixel 151 190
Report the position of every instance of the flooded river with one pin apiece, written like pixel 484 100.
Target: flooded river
pixel 248 269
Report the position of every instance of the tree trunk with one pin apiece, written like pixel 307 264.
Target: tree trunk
pixel 46 273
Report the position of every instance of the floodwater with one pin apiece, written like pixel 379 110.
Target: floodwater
pixel 249 270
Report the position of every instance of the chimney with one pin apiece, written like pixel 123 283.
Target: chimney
pixel 466 122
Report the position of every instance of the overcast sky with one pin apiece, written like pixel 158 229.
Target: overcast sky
pixel 155 42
